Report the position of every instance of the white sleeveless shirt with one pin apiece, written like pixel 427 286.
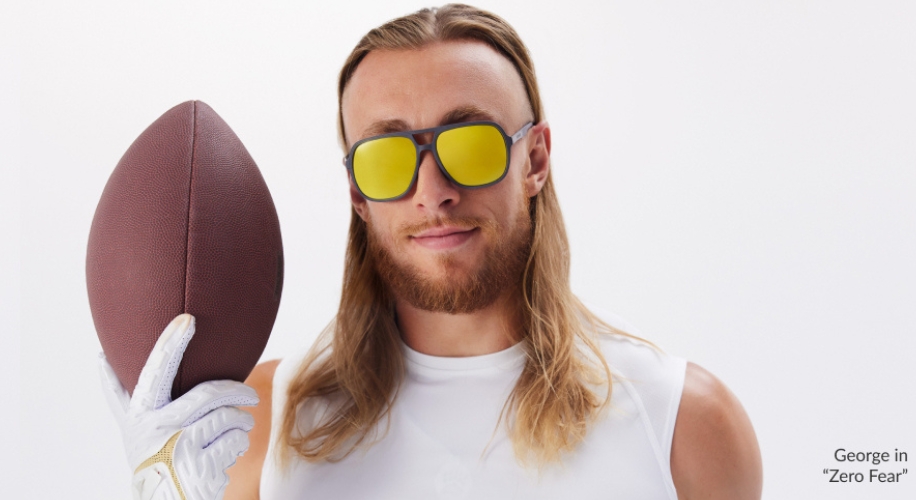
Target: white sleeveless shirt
pixel 443 441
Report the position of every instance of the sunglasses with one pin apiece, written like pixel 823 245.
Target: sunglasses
pixel 470 154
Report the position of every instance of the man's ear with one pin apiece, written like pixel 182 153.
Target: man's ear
pixel 538 158
pixel 357 200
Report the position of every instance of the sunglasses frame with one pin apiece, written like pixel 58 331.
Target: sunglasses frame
pixel 509 140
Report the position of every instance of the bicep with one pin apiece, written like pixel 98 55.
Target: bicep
pixel 714 454
pixel 245 475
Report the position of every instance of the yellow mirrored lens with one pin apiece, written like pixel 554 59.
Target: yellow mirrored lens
pixel 474 155
pixel 383 168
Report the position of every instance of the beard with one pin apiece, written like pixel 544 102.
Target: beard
pixel 457 290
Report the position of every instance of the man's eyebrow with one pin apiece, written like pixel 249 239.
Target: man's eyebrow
pixel 385 127
pixel 465 114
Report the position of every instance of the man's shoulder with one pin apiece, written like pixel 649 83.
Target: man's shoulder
pixel 714 452
pixel 262 375
pixel 713 449
pixel 271 380
pixel 245 474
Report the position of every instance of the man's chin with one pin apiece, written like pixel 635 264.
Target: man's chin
pixel 455 282
pixel 445 268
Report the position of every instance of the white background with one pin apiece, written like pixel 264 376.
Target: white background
pixel 738 178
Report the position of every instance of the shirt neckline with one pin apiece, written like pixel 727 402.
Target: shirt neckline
pixel 507 358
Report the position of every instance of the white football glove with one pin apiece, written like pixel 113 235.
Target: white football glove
pixel 179 450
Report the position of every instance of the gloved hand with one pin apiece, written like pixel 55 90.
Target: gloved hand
pixel 179 450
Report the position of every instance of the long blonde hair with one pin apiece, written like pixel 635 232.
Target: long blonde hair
pixel 358 363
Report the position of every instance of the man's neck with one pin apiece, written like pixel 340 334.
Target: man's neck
pixel 488 330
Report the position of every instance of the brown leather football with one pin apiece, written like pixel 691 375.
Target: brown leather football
pixel 185 225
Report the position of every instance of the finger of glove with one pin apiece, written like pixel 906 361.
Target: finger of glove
pixel 220 427
pixel 118 399
pixel 154 386
pixel 202 471
pixel 207 397
pixel 226 450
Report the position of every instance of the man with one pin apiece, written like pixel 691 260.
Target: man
pixel 460 365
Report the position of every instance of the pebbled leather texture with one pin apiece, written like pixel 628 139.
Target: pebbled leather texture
pixel 186 224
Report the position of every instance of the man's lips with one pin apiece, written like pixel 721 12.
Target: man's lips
pixel 443 237
pixel 440 231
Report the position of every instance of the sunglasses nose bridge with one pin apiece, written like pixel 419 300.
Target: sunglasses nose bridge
pixel 422 148
pixel 432 185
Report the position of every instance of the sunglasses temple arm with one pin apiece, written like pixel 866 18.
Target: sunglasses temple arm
pixel 521 133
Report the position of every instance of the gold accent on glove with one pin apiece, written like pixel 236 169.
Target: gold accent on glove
pixel 165 456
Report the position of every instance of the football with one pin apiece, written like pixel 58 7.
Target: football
pixel 185 224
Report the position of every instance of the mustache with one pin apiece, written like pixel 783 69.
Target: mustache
pixel 468 223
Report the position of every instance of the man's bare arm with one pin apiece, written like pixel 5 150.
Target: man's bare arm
pixel 245 475
pixel 714 454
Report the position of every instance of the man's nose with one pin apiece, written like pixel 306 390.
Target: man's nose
pixel 433 189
